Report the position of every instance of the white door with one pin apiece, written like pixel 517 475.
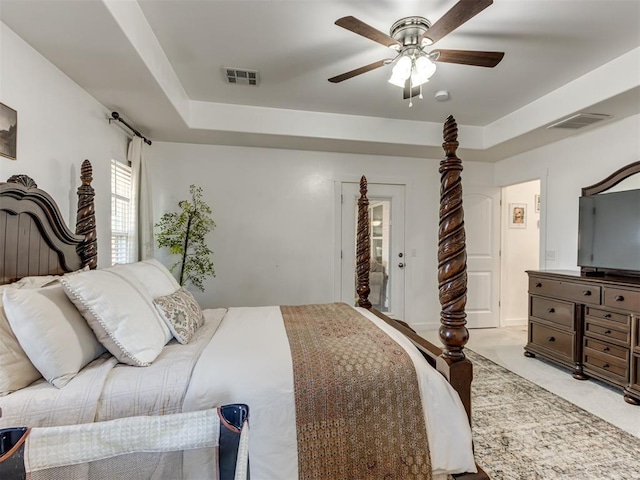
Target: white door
pixel 482 227
pixel 386 217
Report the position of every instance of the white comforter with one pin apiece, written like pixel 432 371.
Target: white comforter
pixel 248 361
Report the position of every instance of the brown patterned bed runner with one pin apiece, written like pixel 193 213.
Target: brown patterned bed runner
pixel 358 407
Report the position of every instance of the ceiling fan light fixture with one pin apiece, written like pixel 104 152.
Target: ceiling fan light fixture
pixel 402 68
pixel 423 70
pixel 401 71
pixel 415 65
pixel 397 81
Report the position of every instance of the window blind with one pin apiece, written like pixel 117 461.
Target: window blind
pixel 122 214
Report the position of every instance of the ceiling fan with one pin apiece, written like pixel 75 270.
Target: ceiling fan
pixel 410 36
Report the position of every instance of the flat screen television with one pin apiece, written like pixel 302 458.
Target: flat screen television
pixel 609 231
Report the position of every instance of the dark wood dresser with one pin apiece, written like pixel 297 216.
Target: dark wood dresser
pixel 589 324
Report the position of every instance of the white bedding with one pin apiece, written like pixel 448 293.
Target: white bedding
pixel 248 361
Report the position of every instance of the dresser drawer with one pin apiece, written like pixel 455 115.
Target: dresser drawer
pixel 577 292
pixel 623 299
pixel 607 366
pixel 607 331
pixel 558 312
pixel 606 348
pixel 557 341
pixel 616 318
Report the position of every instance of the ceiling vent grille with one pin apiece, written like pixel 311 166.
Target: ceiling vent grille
pixel 237 76
pixel 580 120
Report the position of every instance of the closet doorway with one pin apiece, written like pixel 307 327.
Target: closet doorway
pixel 521 206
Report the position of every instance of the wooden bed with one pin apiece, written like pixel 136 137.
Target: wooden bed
pixel 35 241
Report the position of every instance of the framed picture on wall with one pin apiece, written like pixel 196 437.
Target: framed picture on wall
pixel 537 202
pixel 8 131
pixel 517 215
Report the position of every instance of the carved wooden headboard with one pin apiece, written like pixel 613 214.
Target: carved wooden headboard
pixel 34 238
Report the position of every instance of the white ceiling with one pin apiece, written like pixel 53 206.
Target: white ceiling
pixel 158 62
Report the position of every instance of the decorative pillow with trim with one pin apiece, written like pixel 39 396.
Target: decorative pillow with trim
pixel 153 276
pixel 120 313
pixel 156 279
pixel 51 331
pixel 182 314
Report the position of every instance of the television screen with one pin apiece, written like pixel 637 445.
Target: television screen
pixel 609 231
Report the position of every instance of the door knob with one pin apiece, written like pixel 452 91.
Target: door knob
pixel 401 265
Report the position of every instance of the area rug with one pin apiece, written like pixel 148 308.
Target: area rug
pixel 523 432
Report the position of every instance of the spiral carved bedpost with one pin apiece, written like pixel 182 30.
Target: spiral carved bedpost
pixel 363 247
pixel 86 218
pixel 452 255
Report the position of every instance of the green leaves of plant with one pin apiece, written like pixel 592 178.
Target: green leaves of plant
pixel 183 233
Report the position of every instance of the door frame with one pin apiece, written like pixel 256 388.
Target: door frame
pixel 504 245
pixel 337 222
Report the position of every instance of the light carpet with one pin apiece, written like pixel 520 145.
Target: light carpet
pixel 522 431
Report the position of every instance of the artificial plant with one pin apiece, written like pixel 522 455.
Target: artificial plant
pixel 183 233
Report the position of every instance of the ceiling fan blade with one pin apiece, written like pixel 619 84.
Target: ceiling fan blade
pixel 358 26
pixel 361 70
pixel 410 93
pixel 461 12
pixel 468 57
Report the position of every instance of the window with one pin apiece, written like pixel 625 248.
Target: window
pixel 122 214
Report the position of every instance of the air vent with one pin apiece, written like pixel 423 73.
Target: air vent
pixel 237 76
pixel 580 120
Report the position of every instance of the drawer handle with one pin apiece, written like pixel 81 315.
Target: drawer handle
pixel 607 332
pixel 551 339
pixel 619 298
pixel 587 293
pixel 608 315
pixel 551 309
pixel 538 285
pixel 606 365
pixel 605 349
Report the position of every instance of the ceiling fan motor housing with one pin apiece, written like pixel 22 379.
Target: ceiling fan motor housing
pixel 409 30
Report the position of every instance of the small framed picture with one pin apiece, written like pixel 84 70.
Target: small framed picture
pixel 517 215
pixel 537 203
pixel 8 131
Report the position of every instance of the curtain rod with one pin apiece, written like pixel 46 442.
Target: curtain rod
pixel 116 116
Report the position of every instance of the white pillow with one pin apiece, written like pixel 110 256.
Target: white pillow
pixel 120 313
pixel 16 370
pixel 51 331
pixel 152 275
pixel 35 282
pixel 182 314
pixel 154 278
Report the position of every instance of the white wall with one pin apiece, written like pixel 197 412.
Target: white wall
pixel 275 213
pixel 520 252
pixel 59 125
pixel 564 168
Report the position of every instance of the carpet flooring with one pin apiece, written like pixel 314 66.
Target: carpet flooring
pixel 524 432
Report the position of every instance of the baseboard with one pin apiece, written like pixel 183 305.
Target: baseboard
pixel 514 322
pixel 425 326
